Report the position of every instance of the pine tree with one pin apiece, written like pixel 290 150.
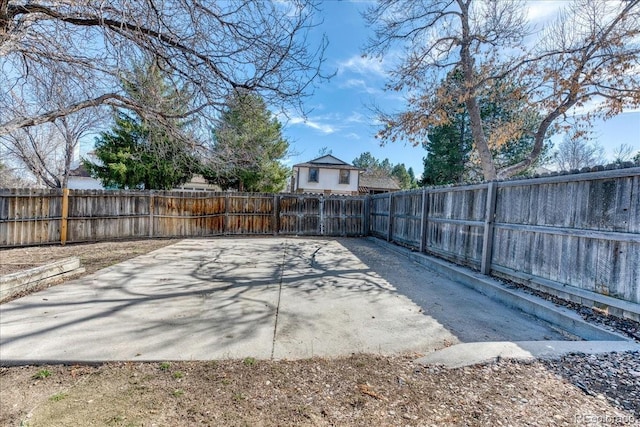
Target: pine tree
pixel 248 147
pixel 144 152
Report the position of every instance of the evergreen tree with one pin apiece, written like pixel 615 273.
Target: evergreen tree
pixel 143 152
pixel 248 147
pixel 447 153
pixel 404 178
pixel 366 161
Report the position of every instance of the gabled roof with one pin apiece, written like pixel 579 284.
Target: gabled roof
pixel 328 161
pixel 80 171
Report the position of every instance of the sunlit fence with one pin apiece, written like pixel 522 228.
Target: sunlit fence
pixel 567 233
pixel 576 235
pixel 32 217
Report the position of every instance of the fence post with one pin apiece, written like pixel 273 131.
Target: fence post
pixel 487 240
pixel 321 207
pixel 225 223
pixel 343 216
pixel 64 216
pixel 366 212
pixel 390 222
pixel 276 214
pixel 423 220
pixel 151 202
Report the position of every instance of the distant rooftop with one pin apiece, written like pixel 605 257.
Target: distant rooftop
pixel 327 161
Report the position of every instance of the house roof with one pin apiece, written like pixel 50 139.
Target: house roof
pixel 80 171
pixel 373 182
pixel 327 162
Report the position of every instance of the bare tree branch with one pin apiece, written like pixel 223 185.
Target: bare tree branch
pixel 213 48
pixel 590 54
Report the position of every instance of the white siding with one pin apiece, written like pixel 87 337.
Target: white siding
pixel 329 179
pixel 84 183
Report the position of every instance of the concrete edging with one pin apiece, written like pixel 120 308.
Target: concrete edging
pixel 11 284
pixel 566 319
pixel 475 353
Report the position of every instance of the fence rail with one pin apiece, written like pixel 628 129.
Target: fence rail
pixel 573 232
pixel 564 232
pixel 32 217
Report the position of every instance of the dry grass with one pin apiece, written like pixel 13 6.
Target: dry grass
pixel 358 390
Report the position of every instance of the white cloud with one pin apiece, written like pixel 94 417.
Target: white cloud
pixel 364 65
pixel 324 128
pixel 353 135
pixel 540 10
pixel 357 117
pixel 360 85
pixel 594 104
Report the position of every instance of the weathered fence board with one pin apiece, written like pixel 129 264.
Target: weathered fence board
pixel 379 215
pixel 456 224
pixel 34 217
pixel 580 231
pixel 407 218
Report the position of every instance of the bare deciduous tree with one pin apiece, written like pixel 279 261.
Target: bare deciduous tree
pixel 47 151
pixel 589 54
pixel 10 177
pixel 623 153
pixel 211 47
pixel 577 150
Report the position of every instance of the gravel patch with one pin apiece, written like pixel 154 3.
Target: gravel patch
pixel 612 376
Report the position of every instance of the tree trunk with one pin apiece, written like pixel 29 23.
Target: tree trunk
pixel 470 99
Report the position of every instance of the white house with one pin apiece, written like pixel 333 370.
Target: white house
pixel 326 174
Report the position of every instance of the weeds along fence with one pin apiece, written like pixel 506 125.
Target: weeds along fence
pixel 32 217
pixel 577 236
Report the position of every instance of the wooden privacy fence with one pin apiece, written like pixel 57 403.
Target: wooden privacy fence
pixel 31 217
pixel 580 230
pixel 575 235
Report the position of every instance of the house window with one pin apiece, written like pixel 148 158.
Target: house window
pixel 314 173
pixel 344 176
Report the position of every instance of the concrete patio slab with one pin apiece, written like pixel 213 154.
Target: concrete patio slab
pixel 203 299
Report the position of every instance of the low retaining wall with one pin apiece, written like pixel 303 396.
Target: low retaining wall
pixel 12 284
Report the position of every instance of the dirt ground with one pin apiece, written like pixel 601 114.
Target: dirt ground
pixel 93 256
pixel 358 390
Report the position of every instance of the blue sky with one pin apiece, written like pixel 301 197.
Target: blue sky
pixel 340 118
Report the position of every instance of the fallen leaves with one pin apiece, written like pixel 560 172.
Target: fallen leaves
pixel 366 389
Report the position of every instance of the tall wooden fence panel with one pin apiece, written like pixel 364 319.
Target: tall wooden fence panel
pixel 380 214
pixel 97 216
pixel 343 216
pixel 582 232
pixel 31 217
pixel 577 231
pixel 319 215
pixel 455 223
pixel 300 214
